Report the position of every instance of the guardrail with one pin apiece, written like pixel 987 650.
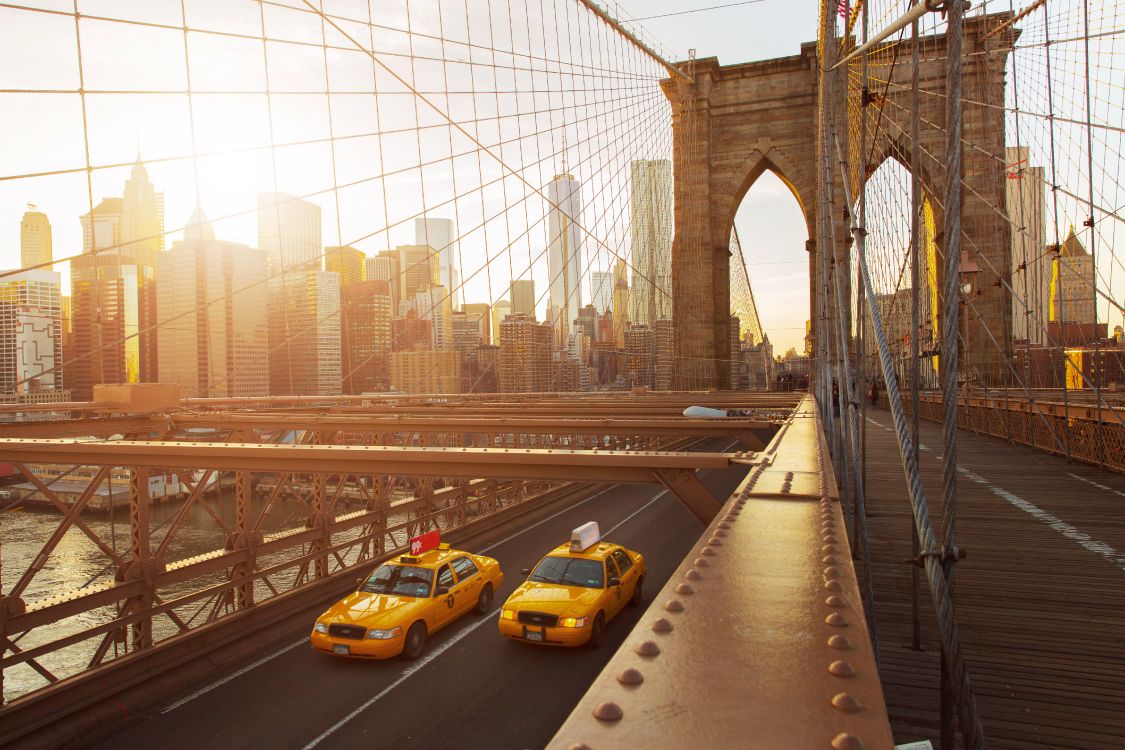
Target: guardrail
pixel 759 638
pixel 1082 431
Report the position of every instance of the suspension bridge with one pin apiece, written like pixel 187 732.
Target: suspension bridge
pixel 300 280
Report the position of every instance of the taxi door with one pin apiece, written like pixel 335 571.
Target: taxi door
pixel 615 595
pixel 445 604
pixel 469 580
pixel 627 572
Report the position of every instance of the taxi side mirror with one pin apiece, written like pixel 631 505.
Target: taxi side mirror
pixel 614 581
pixel 526 571
pixel 441 591
pixel 359 581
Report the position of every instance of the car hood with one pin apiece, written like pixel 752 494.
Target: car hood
pixel 373 610
pixel 553 598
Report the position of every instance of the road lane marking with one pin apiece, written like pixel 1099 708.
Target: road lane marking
pixel 232 675
pixel 430 656
pixel 1096 484
pixel 1064 528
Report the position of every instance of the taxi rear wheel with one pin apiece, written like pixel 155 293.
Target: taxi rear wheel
pixel 484 601
pixel 597 632
pixel 638 597
pixel 415 641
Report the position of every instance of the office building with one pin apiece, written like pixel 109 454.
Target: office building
pixel 438 234
pixel 620 303
pixel 601 290
pixel 664 353
pixel 417 271
pixel 304 334
pixel 500 310
pixel 481 313
pixel 1025 191
pixel 35 239
pixel 289 231
pixel 411 332
pixel 142 239
pixel 349 262
pixel 640 345
pixel 433 304
pixel 525 355
pixel 214 294
pixel 481 371
pixel 523 297
pixel 650 297
pixel 426 371
pixel 384 267
pixel 31 352
pixel 564 251
pixel 366 339
pixel 1072 284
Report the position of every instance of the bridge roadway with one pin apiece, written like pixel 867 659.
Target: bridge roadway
pixel 471 688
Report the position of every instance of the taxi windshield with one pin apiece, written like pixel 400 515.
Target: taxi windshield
pixel 569 571
pixel 399 580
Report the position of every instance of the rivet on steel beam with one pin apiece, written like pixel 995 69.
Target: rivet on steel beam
pixel 829 539
pixel 647 648
pixel 832 572
pixel 845 741
pixel 630 676
pixel 840 642
pixel 707 551
pixel 841 668
pixel 833 585
pixel 835 601
pixel 578 746
pixel 724 525
pixel 674 605
pixel 685 588
pixel 731 517
pixel 662 626
pixel 608 711
pixel 837 620
pixel 845 702
pixel 715 541
pixel 829 560
pixel 829 524
pixel 693 575
pixel 701 562
pixel 721 532
pixel 829 549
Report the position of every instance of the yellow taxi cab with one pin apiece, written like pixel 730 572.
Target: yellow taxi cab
pixel 574 591
pixel 407 599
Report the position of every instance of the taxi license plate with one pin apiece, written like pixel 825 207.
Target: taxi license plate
pixel 535 635
pixel 340 649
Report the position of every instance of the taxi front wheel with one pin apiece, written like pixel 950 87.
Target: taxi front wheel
pixel 484 601
pixel 415 641
pixel 597 632
pixel 638 597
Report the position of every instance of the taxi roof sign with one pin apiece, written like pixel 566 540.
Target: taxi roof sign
pixel 585 536
pixel 425 542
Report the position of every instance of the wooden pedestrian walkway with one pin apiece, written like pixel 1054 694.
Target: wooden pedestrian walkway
pixel 1040 597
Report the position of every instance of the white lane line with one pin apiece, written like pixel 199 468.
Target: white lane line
pixel 567 509
pixel 232 675
pixel 1064 528
pixel 1096 484
pixel 430 656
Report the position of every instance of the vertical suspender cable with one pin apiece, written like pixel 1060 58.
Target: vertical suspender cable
pixel 915 313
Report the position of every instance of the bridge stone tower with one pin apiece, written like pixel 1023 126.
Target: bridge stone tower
pixel 732 123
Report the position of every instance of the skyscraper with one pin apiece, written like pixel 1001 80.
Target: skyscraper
pixel 523 297
pixel 640 346
pixel 433 304
pixel 651 249
pixel 384 267
pixel 417 271
pixel 479 311
pixel 30 333
pixel 214 297
pixel 525 355
pixel 347 261
pixel 289 232
pixel 500 310
pixel 601 290
pixel 366 338
pixel 35 238
pixel 438 234
pixel 620 303
pixel 564 252
pixel 1072 291
pixel 304 334
pixel 1031 268
pixel 142 239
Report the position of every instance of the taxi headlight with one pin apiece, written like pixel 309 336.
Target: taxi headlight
pixel 321 628
pixel 573 622
pixel 383 635
pixel 507 614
